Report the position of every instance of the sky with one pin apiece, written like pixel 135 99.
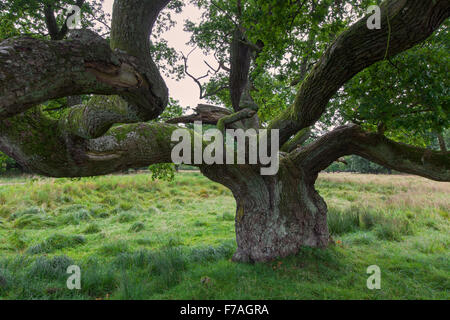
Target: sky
pixel 185 90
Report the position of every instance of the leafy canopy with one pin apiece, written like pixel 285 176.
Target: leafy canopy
pixel 407 95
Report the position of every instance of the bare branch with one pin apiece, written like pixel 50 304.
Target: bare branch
pixel 203 93
pixel 212 69
pixel 221 63
pixel 61 155
pixel 196 80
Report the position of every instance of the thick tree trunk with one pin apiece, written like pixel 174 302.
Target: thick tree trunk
pixel 275 215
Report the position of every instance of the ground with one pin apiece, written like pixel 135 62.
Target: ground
pixel 135 238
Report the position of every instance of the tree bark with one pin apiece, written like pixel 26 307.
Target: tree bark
pixel 275 215
pixel 44 146
pixel 34 71
pixel 351 139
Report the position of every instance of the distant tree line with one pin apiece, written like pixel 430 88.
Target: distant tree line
pixel 8 165
pixel 358 165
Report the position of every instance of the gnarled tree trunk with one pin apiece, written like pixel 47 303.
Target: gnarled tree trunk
pixel 275 215
pixel 278 214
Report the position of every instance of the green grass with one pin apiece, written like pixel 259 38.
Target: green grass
pixel 135 238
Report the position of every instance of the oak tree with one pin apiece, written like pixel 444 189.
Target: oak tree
pixel 317 48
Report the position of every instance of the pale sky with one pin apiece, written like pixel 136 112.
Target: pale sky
pixel 185 90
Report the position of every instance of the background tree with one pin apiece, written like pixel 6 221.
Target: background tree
pixel 275 215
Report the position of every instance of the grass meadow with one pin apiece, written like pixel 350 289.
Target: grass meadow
pixel 135 238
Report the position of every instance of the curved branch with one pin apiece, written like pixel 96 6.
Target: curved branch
pixel 131 28
pixel 351 139
pixel 97 116
pixel 38 144
pixel 296 140
pixel 410 21
pixel 196 80
pixel 34 71
pixel 132 23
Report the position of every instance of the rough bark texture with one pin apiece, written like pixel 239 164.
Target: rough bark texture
pixel 131 28
pixel 34 71
pixel 275 215
pixel 351 139
pixel 205 113
pixel 37 143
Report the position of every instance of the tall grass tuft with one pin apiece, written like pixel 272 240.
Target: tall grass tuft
pixel 137 227
pixel 393 228
pixel 340 222
pixel 50 268
pixel 114 248
pixel 169 264
pixel 56 242
pixel 92 228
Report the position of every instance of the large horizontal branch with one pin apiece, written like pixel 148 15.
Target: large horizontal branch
pixel 404 23
pixel 33 71
pixel 351 139
pixel 38 144
pixel 56 148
